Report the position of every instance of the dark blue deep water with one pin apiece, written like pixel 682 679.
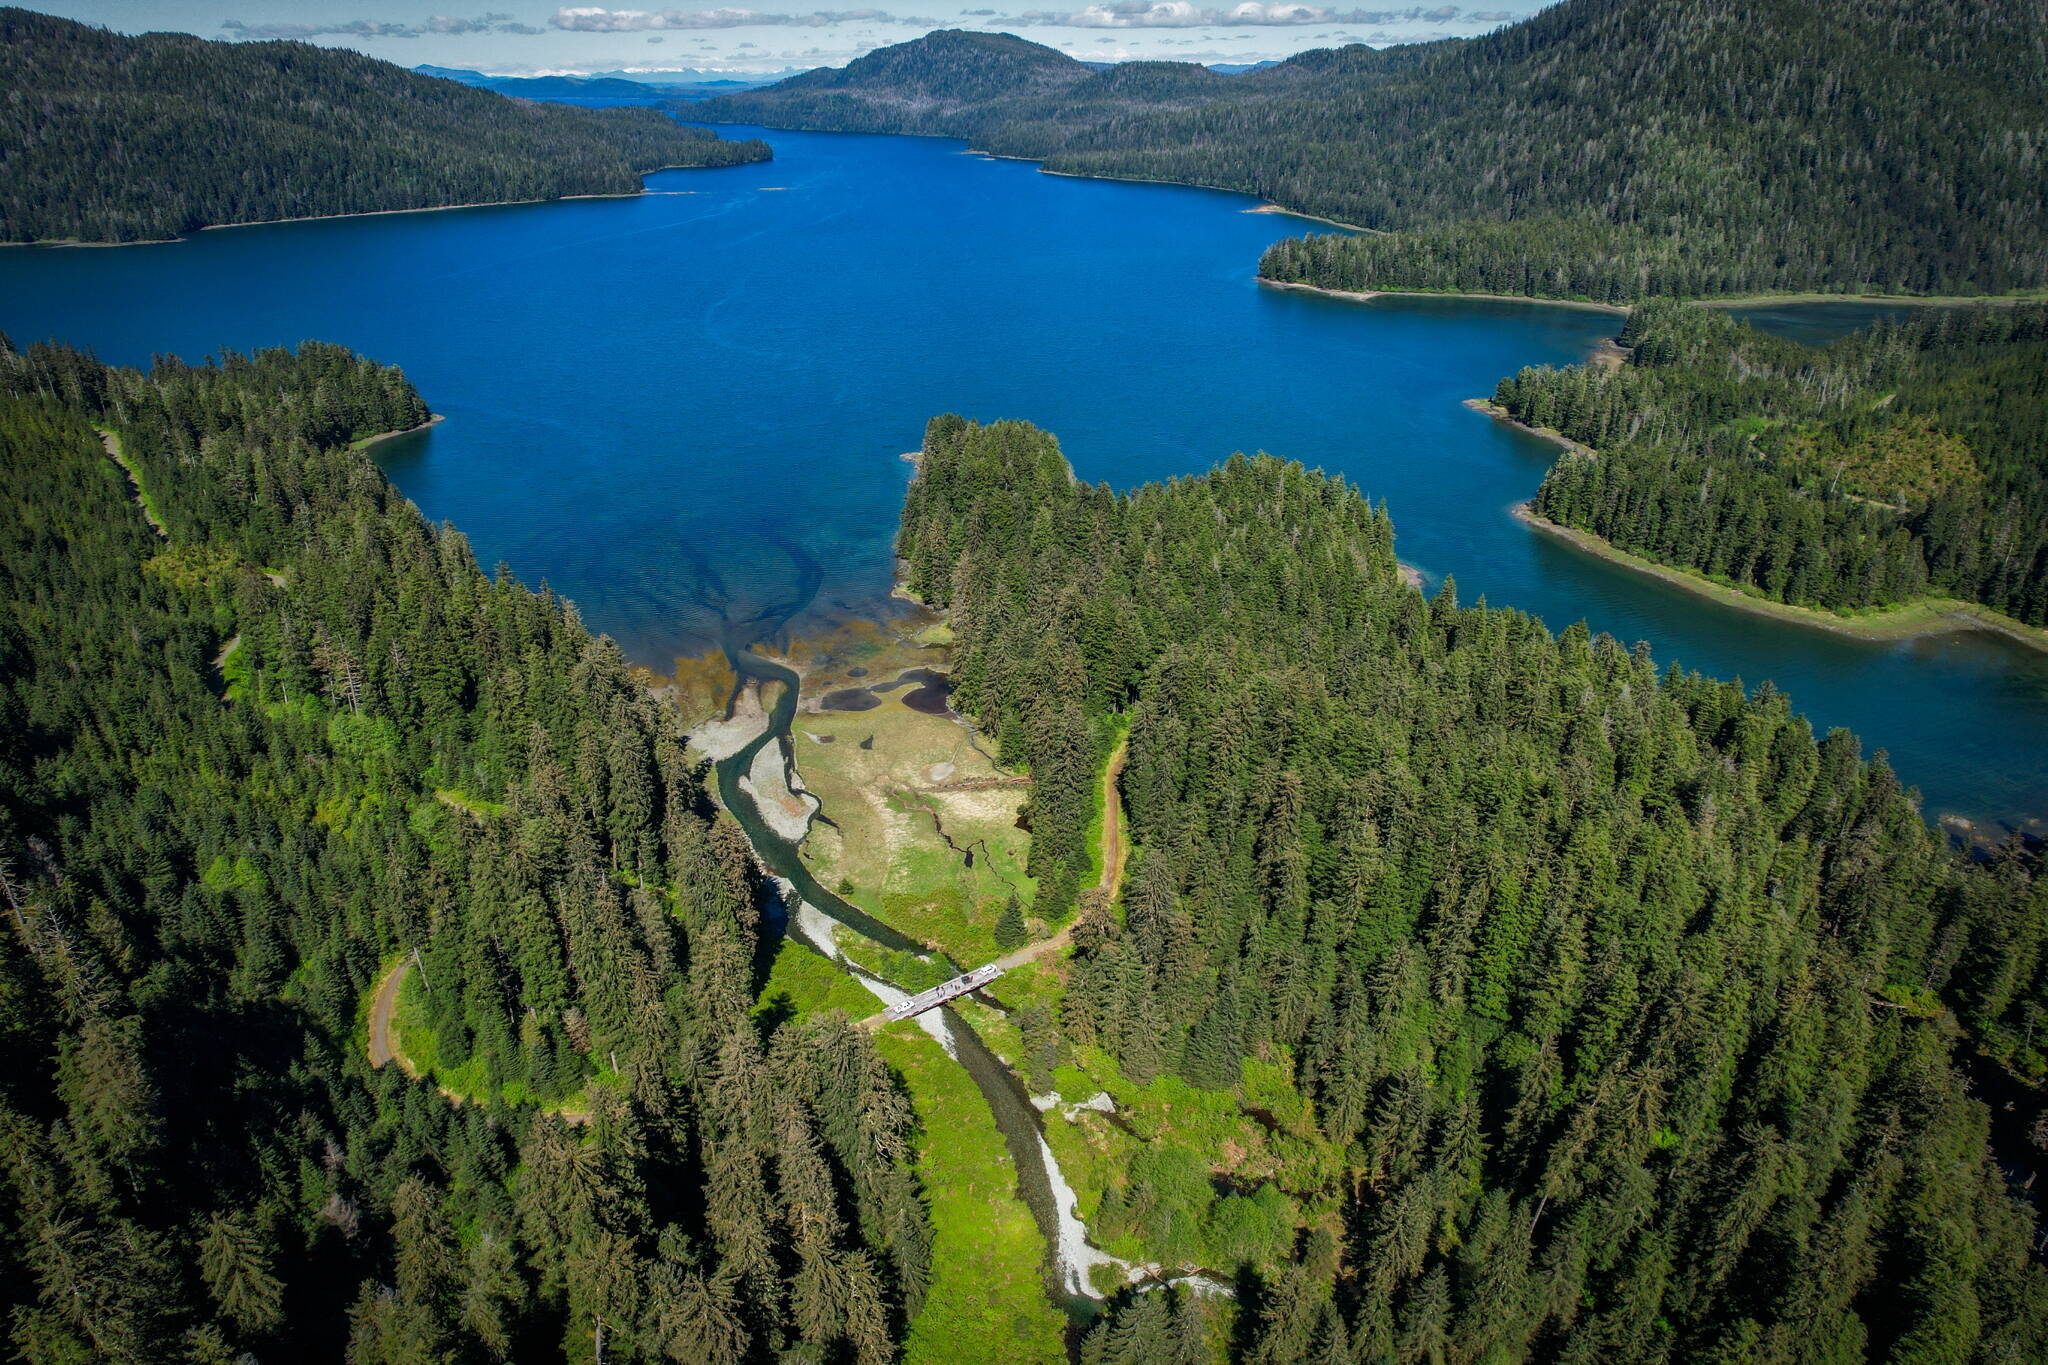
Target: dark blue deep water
pixel 685 410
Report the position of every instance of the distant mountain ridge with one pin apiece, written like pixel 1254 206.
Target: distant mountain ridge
pixel 1607 149
pixel 650 86
pixel 541 86
pixel 108 138
pixel 694 76
pixel 959 83
pixel 950 80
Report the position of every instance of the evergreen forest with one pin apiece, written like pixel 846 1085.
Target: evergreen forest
pixel 1599 149
pixel 107 138
pixel 265 734
pixel 1580 1009
pixel 1639 1013
pixel 1901 462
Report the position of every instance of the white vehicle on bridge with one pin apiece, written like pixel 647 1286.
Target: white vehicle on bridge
pixel 941 993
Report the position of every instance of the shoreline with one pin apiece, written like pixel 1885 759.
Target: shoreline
pixel 1500 414
pixel 1908 621
pixel 70 244
pixel 74 244
pixel 1270 207
pixel 1263 206
pixel 1363 295
pixel 434 419
pixel 386 213
pixel 1348 295
pixel 1623 310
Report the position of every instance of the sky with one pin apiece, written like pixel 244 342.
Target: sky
pixel 538 39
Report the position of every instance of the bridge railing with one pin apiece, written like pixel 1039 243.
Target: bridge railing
pixel 938 995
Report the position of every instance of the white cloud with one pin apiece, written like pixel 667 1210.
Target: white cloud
pixel 1250 14
pixel 1174 14
pixel 438 26
pixel 595 19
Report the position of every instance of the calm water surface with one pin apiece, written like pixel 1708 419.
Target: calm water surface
pixel 685 410
pixel 1817 324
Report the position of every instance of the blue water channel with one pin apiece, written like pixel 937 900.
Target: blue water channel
pixel 685 410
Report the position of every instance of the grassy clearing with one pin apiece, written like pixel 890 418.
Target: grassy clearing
pixel 1928 616
pixel 889 803
pixel 192 568
pixel 118 453
pixel 237 677
pixel 475 806
pixel 987 1299
pixel 802 983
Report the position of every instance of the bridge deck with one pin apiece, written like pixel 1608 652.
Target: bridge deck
pixel 941 993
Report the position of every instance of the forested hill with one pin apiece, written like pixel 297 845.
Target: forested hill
pixel 1905 461
pixel 1629 1006
pixel 950 81
pixel 250 762
pixel 1608 149
pixel 106 138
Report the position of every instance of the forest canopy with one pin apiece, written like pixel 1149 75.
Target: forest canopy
pixel 108 138
pixel 1602 149
pixel 267 735
pixel 1635 1008
pixel 1904 461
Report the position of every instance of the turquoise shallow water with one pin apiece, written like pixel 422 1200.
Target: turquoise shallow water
pixel 685 410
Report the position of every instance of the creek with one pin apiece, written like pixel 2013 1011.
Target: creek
pixel 810 921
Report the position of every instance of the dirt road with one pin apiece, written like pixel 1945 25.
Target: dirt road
pixel 381 1010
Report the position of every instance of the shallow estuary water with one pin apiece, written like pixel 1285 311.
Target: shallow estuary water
pixel 685 410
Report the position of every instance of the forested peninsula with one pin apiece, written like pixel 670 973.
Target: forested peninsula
pixel 1601 149
pixel 106 138
pixel 1619 152
pixel 1900 463
pixel 265 734
pixel 1627 1012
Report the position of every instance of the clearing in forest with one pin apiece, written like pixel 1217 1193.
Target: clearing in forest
pixel 922 826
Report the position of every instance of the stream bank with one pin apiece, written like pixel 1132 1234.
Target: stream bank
pixel 813 915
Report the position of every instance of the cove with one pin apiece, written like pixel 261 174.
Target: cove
pixel 684 411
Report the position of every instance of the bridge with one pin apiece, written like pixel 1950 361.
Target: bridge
pixel 1112 882
pixel 941 993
